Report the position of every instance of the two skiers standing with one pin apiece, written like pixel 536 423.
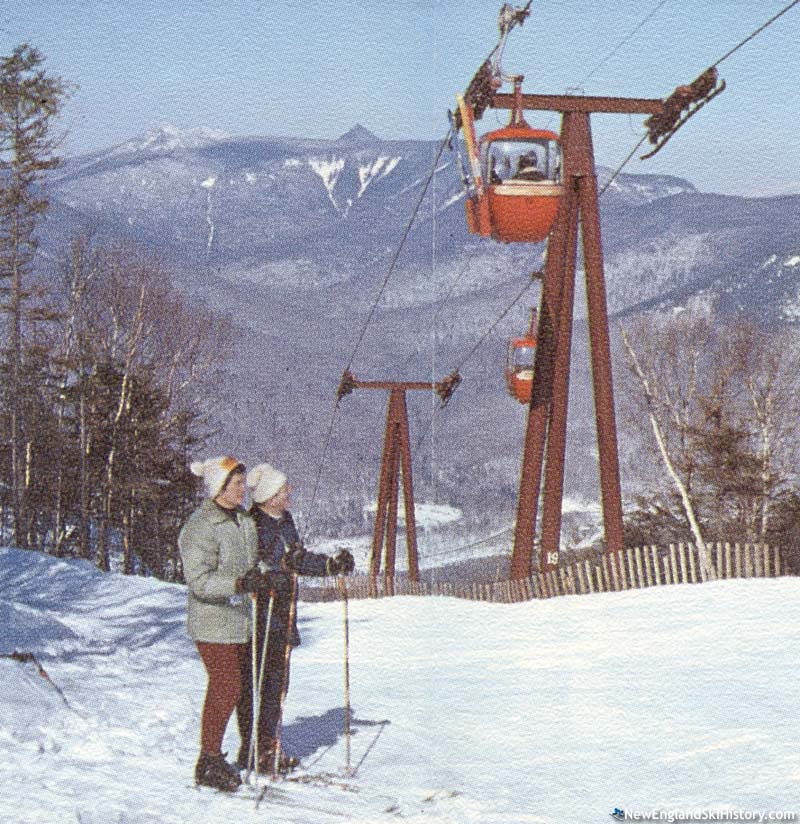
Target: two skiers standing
pixel 233 560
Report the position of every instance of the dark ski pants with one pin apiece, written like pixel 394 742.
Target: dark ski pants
pixel 276 679
pixel 223 663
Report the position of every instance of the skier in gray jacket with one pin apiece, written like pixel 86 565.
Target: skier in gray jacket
pixel 218 547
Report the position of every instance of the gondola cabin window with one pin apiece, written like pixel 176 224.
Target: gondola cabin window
pixel 523 160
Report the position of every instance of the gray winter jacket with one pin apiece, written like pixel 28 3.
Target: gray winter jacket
pixel 217 547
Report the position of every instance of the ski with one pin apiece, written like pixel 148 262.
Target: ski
pixel 323 780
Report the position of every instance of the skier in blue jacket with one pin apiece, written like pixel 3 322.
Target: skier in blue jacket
pixel 281 551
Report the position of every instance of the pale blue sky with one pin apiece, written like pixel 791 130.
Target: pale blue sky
pixel 315 68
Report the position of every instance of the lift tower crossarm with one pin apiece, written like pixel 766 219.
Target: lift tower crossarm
pixel 358 384
pixel 586 105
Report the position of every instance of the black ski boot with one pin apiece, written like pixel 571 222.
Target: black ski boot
pixel 214 771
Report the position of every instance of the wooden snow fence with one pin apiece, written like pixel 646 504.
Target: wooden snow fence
pixel 635 568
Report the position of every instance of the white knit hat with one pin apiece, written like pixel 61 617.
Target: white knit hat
pixel 264 482
pixel 214 472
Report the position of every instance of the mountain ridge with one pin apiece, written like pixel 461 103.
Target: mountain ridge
pixel 297 236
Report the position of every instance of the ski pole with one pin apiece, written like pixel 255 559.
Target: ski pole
pixel 253 667
pixel 24 658
pixel 285 685
pixel 343 588
pixel 253 751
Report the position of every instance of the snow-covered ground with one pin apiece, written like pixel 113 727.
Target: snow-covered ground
pixel 678 698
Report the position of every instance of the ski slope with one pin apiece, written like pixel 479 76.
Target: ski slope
pixel 679 698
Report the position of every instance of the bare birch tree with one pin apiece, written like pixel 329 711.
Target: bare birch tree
pixel 669 378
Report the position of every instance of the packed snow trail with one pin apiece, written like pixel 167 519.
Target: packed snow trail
pixel 678 698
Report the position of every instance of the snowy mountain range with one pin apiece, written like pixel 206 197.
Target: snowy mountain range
pixel 298 236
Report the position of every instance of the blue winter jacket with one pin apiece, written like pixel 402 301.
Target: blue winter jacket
pixel 276 536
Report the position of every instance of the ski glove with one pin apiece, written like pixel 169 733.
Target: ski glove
pixel 341 563
pixel 293 559
pixel 254 580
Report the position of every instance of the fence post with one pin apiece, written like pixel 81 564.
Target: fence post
pixel 648 569
pixel 692 550
pixel 673 564
pixel 605 574
pixel 701 566
pixel 552 577
pixel 639 571
pixel 728 559
pixel 758 559
pixel 542 583
pixel 684 568
pixel 581 580
pixel 612 566
pixel 739 570
pixel 631 573
pixel 656 564
pixel 588 570
pixel 748 561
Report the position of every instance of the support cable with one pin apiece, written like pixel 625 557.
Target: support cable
pixel 711 68
pixel 629 36
pixel 489 539
pixel 473 351
pixel 624 164
pixel 396 256
pixel 492 327
pixel 754 34
pixel 389 273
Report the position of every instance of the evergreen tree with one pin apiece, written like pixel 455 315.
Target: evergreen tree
pixel 30 99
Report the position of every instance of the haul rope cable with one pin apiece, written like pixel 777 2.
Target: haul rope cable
pixel 625 39
pixel 478 345
pixel 753 34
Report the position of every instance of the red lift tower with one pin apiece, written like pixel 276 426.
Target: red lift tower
pixel 545 439
pixel 395 461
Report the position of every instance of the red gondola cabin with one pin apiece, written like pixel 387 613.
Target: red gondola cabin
pixel 516 175
pixel 520 356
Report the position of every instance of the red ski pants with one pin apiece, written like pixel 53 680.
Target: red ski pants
pixel 223 663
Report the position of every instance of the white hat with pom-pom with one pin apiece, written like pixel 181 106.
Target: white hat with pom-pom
pixel 215 472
